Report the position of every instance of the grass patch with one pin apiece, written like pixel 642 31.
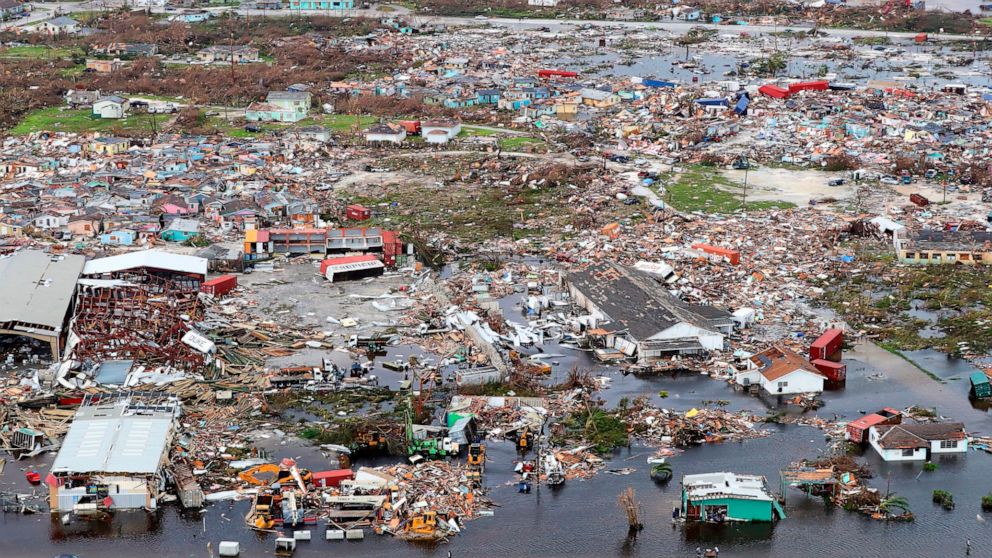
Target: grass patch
pixel 704 189
pixel 516 143
pixel 56 119
pixel 476 131
pixel 602 430
pixel 39 52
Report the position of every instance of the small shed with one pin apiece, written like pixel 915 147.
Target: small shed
pixel 356 212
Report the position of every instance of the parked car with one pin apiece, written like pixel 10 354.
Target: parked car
pixel 837 182
pixel 889 179
pixel 253 128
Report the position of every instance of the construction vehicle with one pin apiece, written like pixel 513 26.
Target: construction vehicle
pixel 261 513
pixel 280 474
pixel 369 442
pixel 476 464
pixel 525 440
pixel 477 456
pixel 427 442
pixel 424 527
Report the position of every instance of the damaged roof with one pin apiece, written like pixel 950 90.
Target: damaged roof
pixel 37 288
pixel 906 436
pixel 635 300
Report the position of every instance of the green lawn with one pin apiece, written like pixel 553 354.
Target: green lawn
pixel 79 121
pixel 38 52
pixel 475 131
pixel 703 189
pixel 519 142
pixel 339 123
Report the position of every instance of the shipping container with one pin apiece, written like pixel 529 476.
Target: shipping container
pixel 357 212
pixel 556 73
pixel 834 371
pixel 857 430
pixel 332 478
pixel 919 200
pixel 219 286
pixel 827 346
pixel 808 86
pixel 980 386
pixel 732 256
pixel 774 91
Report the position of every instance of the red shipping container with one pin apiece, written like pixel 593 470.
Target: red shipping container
pixel 827 346
pixel 732 256
pixel 219 286
pixel 327 479
pixel 774 91
pixel 834 371
pixel 808 86
pixel 357 212
pixel 556 73
pixel 919 200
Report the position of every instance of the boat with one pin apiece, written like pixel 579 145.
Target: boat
pixel 656 460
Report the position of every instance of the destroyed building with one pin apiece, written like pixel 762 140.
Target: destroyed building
pixel 944 247
pixel 645 319
pixel 779 371
pixel 115 454
pixel 37 295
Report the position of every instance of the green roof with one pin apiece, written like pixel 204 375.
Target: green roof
pixel 979 378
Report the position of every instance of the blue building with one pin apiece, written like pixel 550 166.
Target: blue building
pixel 321 4
pixel 118 238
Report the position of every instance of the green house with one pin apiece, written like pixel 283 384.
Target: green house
pixel 980 385
pixel 718 497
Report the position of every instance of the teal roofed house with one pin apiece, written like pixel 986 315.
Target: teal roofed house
pixel 718 497
pixel 321 4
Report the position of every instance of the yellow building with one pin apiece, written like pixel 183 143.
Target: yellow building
pixel 945 247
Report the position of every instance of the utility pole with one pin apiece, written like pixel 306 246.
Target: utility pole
pixel 747 166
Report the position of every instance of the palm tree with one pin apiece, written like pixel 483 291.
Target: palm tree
pixel 894 502
pixel 661 472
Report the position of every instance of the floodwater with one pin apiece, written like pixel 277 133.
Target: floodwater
pixel 582 519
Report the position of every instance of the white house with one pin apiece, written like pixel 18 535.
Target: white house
pixel 385 133
pixel 917 442
pixel 780 371
pixel 440 131
pixel 51 221
pixel 59 26
pixel 110 107
pixel 543 3
pixel 646 319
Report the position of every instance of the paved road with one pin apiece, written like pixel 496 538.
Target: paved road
pixel 554 24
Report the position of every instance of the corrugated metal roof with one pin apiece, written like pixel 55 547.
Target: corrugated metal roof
pixel 36 288
pixel 111 439
pixel 147 258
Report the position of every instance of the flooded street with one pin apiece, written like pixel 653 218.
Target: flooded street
pixel 581 518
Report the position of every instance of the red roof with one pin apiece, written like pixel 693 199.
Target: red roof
pixel 868 421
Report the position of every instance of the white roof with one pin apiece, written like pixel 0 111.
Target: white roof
pixel 147 258
pixel 113 438
pixel 719 485
pixel 36 288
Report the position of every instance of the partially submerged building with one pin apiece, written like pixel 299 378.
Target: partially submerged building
pixel 115 454
pixel 36 295
pixel 917 442
pixel 779 371
pixel 645 319
pixel 718 497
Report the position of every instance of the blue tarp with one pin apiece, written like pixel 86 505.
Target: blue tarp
pixel 713 102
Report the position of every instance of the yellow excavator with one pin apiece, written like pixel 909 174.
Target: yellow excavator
pixel 262 510
pixel 275 474
pixel 476 463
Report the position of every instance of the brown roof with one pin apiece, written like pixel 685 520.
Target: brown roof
pixel 777 362
pixel 905 436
